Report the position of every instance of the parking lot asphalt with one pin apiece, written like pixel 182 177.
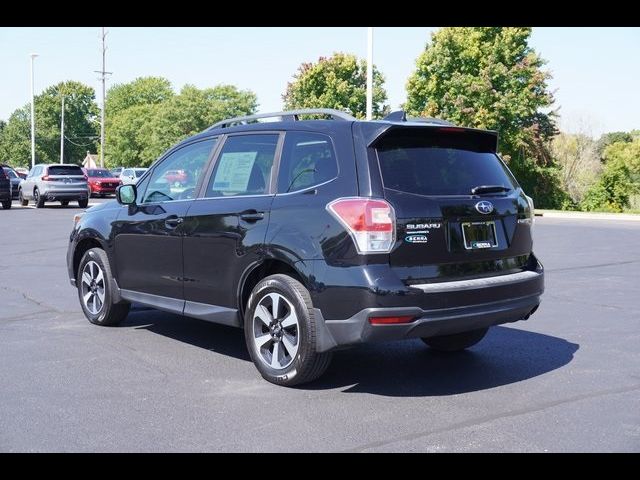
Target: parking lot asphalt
pixel 568 379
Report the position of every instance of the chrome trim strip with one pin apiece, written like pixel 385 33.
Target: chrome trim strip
pixel 476 283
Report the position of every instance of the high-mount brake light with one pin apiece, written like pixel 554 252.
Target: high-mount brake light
pixel 370 222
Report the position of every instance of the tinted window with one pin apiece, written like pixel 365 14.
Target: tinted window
pixel 243 166
pixel 138 172
pixel 307 159
pixel 99 173
pixel 427 170
pixel 10 173
pixel 64 170
pixel 192 159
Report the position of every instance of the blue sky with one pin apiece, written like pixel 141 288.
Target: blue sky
pixel 596 70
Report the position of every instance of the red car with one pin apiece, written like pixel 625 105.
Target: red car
pixel 176 177
pixel 101 181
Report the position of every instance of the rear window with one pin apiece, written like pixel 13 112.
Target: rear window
pixel 414 166
pixel 64 170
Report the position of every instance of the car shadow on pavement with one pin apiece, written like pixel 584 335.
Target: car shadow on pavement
pixel 210 336
pixel 409 368
pixel 396 369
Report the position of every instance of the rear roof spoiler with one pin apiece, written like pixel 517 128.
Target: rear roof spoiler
pixel 397 125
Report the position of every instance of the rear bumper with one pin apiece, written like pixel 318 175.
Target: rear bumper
pixel 427 323
pixel 439 308
pixel 53 195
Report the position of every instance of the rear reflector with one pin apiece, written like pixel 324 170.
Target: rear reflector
pixel 371 222
pixel 391 320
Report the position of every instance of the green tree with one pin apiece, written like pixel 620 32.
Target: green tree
pixel 579 162
pixel 190 112
pixel 138 134
pixel 339 82
pixel 610 138
pixel 489 77
pixel 141 91
pixel 619 181
pixel 81 131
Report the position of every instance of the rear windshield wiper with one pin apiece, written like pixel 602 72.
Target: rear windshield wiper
pixel 489 189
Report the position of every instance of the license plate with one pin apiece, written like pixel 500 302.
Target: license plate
pixel 479 235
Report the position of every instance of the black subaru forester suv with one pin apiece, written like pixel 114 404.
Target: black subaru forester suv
pixel 316 234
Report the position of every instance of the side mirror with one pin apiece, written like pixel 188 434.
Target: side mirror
pixel 126 194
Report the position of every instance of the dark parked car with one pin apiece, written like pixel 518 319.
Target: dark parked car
pixel 314 235
pixel 14 178
pixel 5 189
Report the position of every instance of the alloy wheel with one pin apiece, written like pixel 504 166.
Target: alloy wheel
pixel 276 331
pixel 92 285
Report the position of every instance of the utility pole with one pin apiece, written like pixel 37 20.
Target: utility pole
pixel 103 77
pixel 33 117
pixel 62 133
pixel 369 73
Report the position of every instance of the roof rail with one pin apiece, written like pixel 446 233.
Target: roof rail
pixel 289 115
pixel 401 116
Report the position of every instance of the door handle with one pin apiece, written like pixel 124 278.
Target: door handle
pixel 251 215
pixel 173 222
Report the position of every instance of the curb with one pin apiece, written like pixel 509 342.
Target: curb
pixel 588 215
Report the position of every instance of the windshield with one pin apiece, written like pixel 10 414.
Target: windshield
pixel 426 170
pixel 99 173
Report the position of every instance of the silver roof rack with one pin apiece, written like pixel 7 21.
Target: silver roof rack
pixel 290 115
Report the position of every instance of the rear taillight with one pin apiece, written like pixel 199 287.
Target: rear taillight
pixel 371 222
pixel 45 178
pixel 85 177
pixel 391 320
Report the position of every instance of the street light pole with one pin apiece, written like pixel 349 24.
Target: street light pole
pixel 62 133
pixel 33 117
pixel 103 74
pixel 370 73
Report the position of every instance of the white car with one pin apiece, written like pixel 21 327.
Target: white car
pixel 131 175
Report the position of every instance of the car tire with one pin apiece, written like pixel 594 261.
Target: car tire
pixel 38 199
pixel 6 204
pixel 294 322
pixel 93 278
pixel 83 203
pixel 457 341
pixel 23 201
pixel 64 203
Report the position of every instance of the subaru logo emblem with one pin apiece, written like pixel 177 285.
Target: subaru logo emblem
pixel 484 207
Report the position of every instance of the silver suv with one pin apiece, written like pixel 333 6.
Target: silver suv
pixel 54 183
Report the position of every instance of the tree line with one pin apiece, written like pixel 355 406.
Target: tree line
pixel 483 77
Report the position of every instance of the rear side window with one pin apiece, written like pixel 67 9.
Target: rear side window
pixel 308 159
pixel 417 166
pixel 64 170
pixel 244 166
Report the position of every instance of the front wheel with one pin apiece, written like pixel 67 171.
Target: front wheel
pixel 457 341
pixel 6 204
pixel 94 283
pixel 280 331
